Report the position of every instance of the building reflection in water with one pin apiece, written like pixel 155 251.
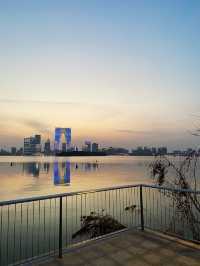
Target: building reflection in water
pixel 61 171
pixel 87 167
pixel 32 168
pixel 61 174
pixel 35 168
pixel 46 167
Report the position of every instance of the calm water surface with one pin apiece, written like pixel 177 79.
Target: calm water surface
pixel 31 176
pixel 32 228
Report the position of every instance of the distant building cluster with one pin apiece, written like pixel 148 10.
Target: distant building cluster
pixel 13 151
pixel 116 151
pixel 33 145
pixel 90 147
pixel 145 151
pixel 183 153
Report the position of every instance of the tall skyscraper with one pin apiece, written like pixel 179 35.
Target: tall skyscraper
pixel 13 150
pixel 37 139
pixel 95 147
pixel 58 133
pixel 64 147
pixel 88 146
pixel 47 147
pixel 162 151
pixel 32 145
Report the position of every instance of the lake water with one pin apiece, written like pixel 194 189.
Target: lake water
pixel 31 229
pixel 32 176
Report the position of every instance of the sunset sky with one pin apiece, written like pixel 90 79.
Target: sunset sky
pixel 122 73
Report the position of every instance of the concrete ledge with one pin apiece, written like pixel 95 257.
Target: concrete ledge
pixel 188 243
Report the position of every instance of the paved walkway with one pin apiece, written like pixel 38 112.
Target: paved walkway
pixel 133 248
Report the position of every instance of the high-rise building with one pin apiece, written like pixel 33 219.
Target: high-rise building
pixel 37 139
pixel 32 145
pixel 29 146
pixel 95 147
pixel 47 147
pixel 58 134
pixel 20 151
pixel 162 151
pixel 64 147
pixel 88 146
pixel 154 150
pixel 13 150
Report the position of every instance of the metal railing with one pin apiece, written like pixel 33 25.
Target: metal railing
pixel 45 226
pixel 172 211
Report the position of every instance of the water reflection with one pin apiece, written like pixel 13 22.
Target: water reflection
pixel 33 176
pixel 46 167
pixel 90 166
pixel 32 168
pixel 61 172
pixel 62 176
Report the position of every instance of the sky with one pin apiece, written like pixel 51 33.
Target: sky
pixel 122 73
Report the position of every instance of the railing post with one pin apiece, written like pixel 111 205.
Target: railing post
pixel 60 229
pixel 141 208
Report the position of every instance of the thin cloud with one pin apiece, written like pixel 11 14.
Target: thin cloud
pixel 36 101
pixel 36 125
pixel 129 131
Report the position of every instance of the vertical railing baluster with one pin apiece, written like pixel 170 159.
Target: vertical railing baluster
pixel 55 228
pixel 138 200
pixel 7 237
pixel 134 213
pixel 66 217
pixel 105 205
pixel 161 212
pixel 38 248
pixel 72 216
pixel 153 227
pixel 21 235
pixel 60 229
pixel 125 213
pixel 44 240
pixel 14 231
pixel 26 239
pixel 150 208
pixel 165 211
pixel 109 202
pixel 50 226
pixel 116 203
pixel 33 227
pixel 76 214
pixel 120 211
pixel 132 203
pixel 1 245
pixel 113 203
pixel 141 209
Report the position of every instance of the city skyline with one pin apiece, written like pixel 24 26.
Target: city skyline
pixel 125 74
pixel 78 140
pixel 37 145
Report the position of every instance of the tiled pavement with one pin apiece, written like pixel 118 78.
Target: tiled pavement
pixel 133 248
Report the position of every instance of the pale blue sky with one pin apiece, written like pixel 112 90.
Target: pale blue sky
pixel 137 62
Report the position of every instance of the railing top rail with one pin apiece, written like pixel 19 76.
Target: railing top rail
pixel 171 189
pixel 54 196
